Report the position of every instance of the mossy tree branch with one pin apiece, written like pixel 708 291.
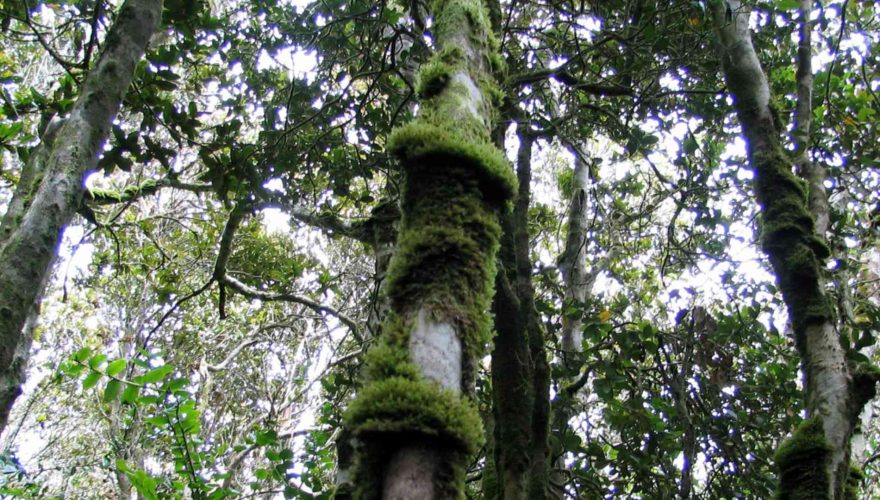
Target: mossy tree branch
pixel 440 280
pixel 367 230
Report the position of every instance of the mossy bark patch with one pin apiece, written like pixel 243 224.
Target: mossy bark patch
pixel 802 461
pixel 789 239
pixel 401 405
pixel 864 385
pixel 854 483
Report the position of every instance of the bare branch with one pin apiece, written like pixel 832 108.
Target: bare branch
pixel 221 276
pixel 234 353
pixel 333 224
pixel 566 78
pixel 253 293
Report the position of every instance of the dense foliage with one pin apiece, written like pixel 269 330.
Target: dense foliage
pixel 206 325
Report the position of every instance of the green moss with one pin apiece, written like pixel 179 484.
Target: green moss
pixel 433 78
pixel 802 462
pixel 129 193
pixel 400 410
pixel 414 143
pixel 452 55
pixel 401 405
pixel 853 483
pixel 437 72
pixel 390 356
pixel 864 385
pixel 490 480
pixel 496 62
pixel 452 15
pixel 788 236
pixel 456 183
pixel 445 254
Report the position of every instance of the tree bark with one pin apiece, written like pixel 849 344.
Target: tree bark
pixel 814 463
pixel 812 172
pixel 32 242
pixel 520 376
pixel 577 280
pixel 414 419
pixel 576 277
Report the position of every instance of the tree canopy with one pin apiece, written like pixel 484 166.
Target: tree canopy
pixel 593 249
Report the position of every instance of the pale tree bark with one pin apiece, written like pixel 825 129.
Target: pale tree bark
pixel 414 419
pixel 812 172
pixel 814 463
pixel 30 239
pixel 577 278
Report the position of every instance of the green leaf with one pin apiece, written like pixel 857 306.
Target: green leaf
pixel 116 367
pixel 787 4
pixel 82 355
pixel 130 394
pixel 112 390
pixel 268 437
pixel 144 484
pixel 96 361
pixel 91 379
pixel 9 131
pixel 155 375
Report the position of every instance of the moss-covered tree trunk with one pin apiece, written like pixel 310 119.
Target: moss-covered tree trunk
pixel 814 463
pixel 520 372
pixel 414 418
pixel 30 238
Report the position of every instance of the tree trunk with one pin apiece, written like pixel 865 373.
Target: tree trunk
pixel 814 463
pixel 520 373
pixel 32 242
pixel 414 419
pixel 382 242
pixel 577 280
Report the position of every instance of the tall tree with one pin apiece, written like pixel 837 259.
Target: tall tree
pixel 670 379
pixel 814 462
pixel 414 416
pixel 53 189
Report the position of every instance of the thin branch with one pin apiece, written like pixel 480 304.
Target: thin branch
pixel 566 78
pixel 176 305
pixel 343 359
pixel 804 79
pixel 351 228
pixel 221 276
pixel 93 39
pixel 835 52
pixel 253 293
pixel 233 353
